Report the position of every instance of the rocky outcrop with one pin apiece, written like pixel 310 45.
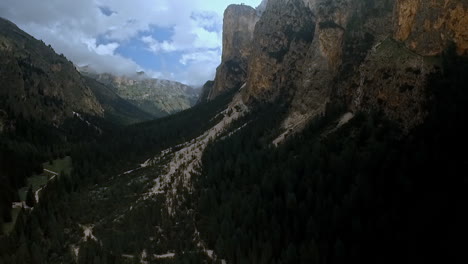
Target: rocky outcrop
pixel 298 53
pixel 392 80
pixel 365 54
pixel 428 27
pixel 238 28
pixel 36 83
pixel 339 61
pixel 205 92
pixel 282 38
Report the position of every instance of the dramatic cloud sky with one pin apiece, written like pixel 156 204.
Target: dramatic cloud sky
pixel 170 39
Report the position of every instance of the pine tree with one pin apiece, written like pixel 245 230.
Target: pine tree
pixel 30 199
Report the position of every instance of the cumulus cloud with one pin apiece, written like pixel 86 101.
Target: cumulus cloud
pixel 90 32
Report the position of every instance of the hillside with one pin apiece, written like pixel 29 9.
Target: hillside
pixel 116 109
pixel 37 83
pixel 46 107
pixel 157 97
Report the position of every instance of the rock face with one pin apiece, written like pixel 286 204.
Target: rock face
pixel 238 28
pixel 36 83
pixel 156 97
pixel 363 54
pixel 281 41
pixel 392 79
pixel 298 53
pixel 205 92
pixel 427 27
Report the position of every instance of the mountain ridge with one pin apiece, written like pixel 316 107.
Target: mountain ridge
pixel 45 83
pixel 155 96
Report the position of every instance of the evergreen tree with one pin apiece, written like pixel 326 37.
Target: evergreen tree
pixel 30 199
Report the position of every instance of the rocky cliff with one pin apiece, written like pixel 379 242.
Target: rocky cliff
pixel 281 41
pixel 205 92
pixel 427 27
pixel 37 83
pixel 239 23
pixel 364 55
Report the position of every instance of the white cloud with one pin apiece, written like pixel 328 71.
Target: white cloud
pixel 156 46
pixel 209 56
pixel 74 27
pixel 101 49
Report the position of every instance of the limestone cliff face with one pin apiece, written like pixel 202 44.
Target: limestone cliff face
pixel 427 27
pixel 364 54
pixel 238 28
pixel 338 61
pixel 392 79
pixel 281 41
pixel 298 51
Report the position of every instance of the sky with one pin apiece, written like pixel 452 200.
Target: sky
pixel 177 40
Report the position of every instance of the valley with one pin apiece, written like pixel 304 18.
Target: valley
pixel 333 132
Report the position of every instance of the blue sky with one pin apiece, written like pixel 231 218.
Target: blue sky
pixel 170 39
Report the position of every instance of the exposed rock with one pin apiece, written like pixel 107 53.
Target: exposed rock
pixel 238 28
pixel 262 7
pixel 428 27
pixel 311 54
pixel 282 38
pixel 205 91
pixel 393 80
pixel 37 83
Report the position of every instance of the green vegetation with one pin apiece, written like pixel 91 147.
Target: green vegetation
pixel 75 199
pixel 59 165
pixel 36 182
pixel 30 199
pixel 8 227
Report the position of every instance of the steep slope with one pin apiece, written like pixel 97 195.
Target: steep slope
pixel 205 92
pixel 36 83
pixel 315 54
pixel 427 27
pixel 238 27
pixel 116 108
pixel 157 97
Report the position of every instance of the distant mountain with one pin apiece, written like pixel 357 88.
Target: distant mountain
pixel 116 109
pixel 157 97
pixel 36 83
